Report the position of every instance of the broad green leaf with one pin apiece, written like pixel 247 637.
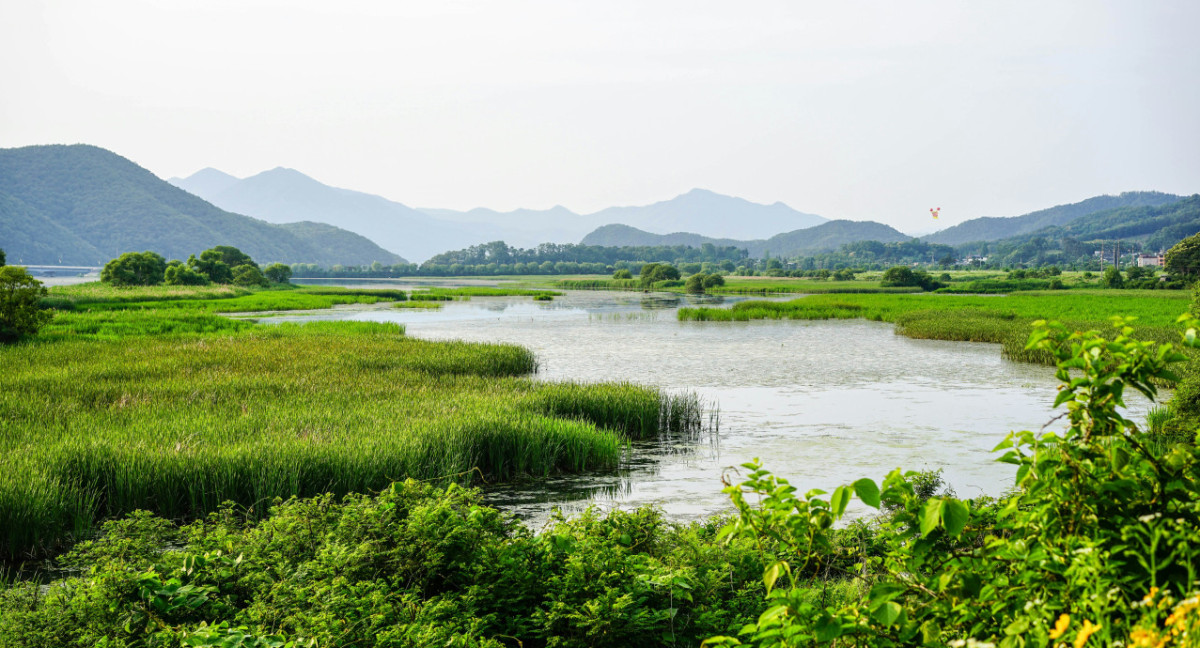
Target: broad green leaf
pixel 931 515
pixel 771 574
pixel 887 613
pixel 868 492
pixel 839 500
pixel 955 515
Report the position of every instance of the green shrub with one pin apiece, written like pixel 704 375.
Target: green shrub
pixel 21 312
pixel 134 269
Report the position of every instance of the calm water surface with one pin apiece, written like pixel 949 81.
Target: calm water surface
pixel 822 403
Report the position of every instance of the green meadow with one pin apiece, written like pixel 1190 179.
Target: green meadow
pixel 119 406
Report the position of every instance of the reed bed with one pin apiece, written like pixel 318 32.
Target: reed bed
pixel 1002 319
pixel 270 300
pixel 73 296
pixel 116 325
pixel 599 284
pixel 467 292
pixel 776 285
pixel 95 428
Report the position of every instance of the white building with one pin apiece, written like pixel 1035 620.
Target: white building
pixel 1146 260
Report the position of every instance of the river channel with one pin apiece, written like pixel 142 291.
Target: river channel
pixel 822 403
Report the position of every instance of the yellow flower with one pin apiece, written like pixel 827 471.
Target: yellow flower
pixel 1142 638
pixel 1085 632
pixel 1060 626
pixel 1150 596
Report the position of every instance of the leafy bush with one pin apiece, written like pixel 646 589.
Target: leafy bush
pixel 21 313
pixel 178 274
pixel 278 273
pixel 1095 544
pixel 249 275
pixel 901 276
pixel 652 273
pixel 134 269
pixel 1183 259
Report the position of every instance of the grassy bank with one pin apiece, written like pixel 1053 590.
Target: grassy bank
pixel 121 406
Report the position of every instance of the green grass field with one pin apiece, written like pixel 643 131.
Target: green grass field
pixel 175 409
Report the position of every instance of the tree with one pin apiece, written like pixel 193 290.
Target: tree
pixel 623 273
pixel 1112 278
pixel 902 276
pixel 134 269
pixel 249 275
pixel 228 255
pixel 652 273
pixel 21 312
pixel 212 267
pixel 178 274
pixel 278 273
pixel 899 276
pixel 1 256
pixel 695 283
pixel 1183 260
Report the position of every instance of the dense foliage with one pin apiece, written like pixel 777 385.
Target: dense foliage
pixel 21 311
pixel 414 566
pixel 1095 544
pixel 899 276
pixel 135 269
pixel 1183 259
pixel 223 264
pixel 652 273
pixel 278 273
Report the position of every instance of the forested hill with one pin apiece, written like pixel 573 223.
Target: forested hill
pixel 995 229
pixel 1151 229
pixel 824 237
pixel 83 205
pixel 617 235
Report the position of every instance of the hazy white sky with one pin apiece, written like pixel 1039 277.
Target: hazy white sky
pixel 863 110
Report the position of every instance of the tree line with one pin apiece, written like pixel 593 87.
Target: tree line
pixel 223 264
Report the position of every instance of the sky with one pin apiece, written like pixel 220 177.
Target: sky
pixel 860 110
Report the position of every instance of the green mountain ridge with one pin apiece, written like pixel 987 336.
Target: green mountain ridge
pixel 1150 228
pixel 825 237
pixel 83 205
pixel 991 228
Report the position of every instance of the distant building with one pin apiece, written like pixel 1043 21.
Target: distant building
pixel 1145 260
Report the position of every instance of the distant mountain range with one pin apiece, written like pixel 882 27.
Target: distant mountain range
pixel 825 237
pixel 994 229
pixel 83 205
pixel 1156 227
pixel 285 195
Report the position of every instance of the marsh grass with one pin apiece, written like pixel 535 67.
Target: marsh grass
pixel 1004 320
pixel 92 428
pixel 599 284
pixel 467 292
pixel 94 293
pixel 419 305
pixel 213 299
